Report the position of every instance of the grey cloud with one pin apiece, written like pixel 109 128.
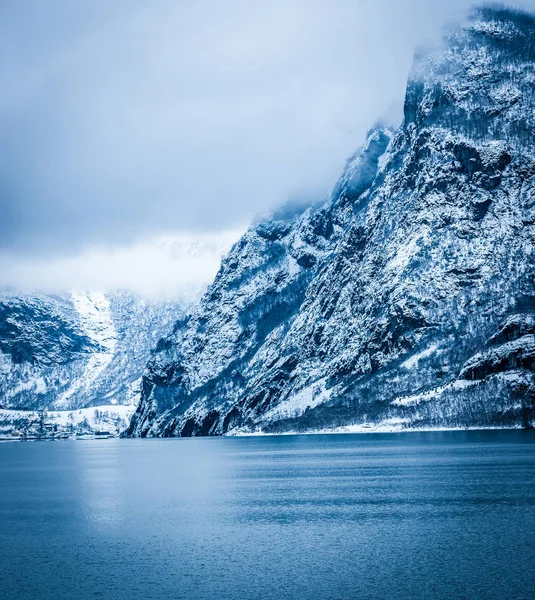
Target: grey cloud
pixel 121 120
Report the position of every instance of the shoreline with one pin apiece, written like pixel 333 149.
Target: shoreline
pixel 338 431
pixel 359 429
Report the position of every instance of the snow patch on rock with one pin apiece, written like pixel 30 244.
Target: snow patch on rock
pixel 97 323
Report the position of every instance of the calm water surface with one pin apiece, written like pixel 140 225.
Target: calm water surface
pixel 387 516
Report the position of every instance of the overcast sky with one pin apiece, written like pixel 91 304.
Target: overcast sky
pixel 122 120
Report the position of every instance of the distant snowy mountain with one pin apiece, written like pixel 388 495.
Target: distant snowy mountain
pixel 78 357
pixel 408 299
pixel 77 350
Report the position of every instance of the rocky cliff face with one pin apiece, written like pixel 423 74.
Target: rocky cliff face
pixel 77 350
pixel 408 298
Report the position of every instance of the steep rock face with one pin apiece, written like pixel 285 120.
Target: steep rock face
pixel 517 354
pixel 40 331
pixel 77 350
pixel 365 310
pixel 509 359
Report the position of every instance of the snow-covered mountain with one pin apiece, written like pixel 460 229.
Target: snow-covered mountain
pixel 72 362
pixel 408 299
pixel 77 350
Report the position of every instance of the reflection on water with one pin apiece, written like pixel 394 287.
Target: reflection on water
pixel 415 515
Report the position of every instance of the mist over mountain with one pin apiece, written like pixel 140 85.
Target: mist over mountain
pixel 79 355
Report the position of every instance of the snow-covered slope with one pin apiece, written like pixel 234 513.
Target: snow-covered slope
pixel 80 349
pixel 107 420
pixel 377 307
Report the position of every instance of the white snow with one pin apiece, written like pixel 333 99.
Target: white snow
pixel 36 383
pixel 412 362
pixel 387 425
pixel 95 317
pixel 401 259
pixel 495 29
pixel 432 394
pixel 394 425
pixel 295 405
pixel 93 414
pixel 97 323
pixel 109 417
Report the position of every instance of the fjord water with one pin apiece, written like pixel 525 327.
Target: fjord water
pixel 383 516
